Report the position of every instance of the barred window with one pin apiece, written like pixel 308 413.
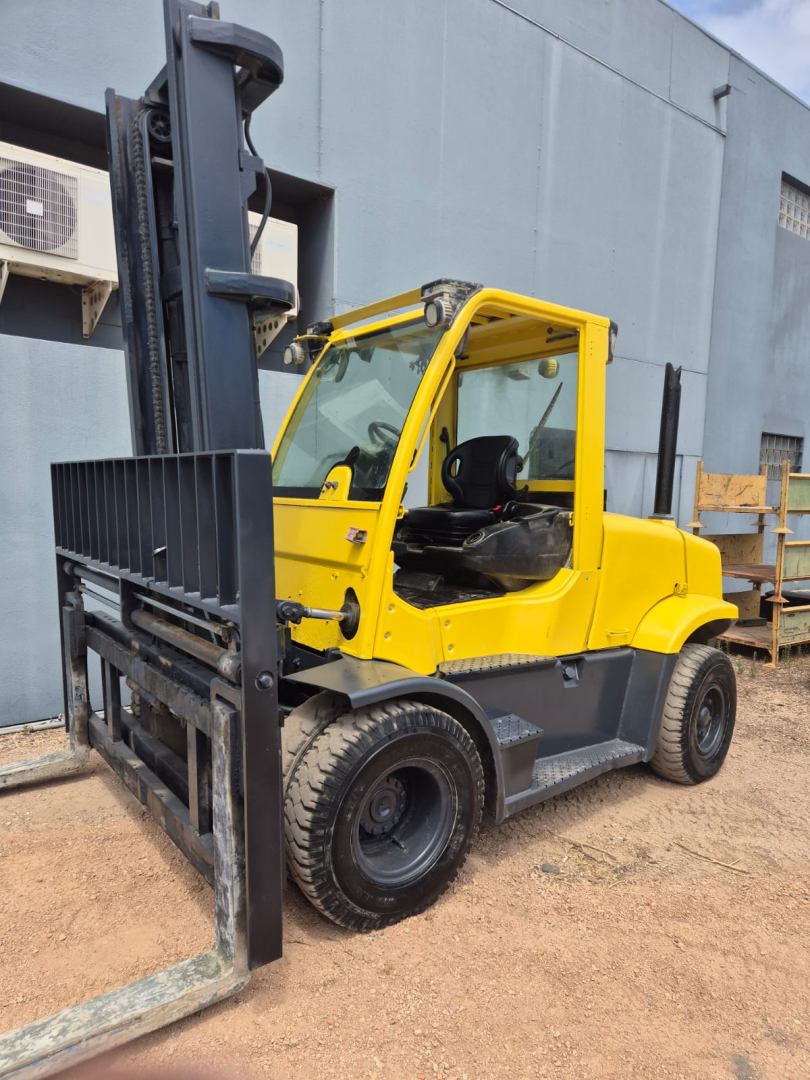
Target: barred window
pixel 794 208
pixel 774 449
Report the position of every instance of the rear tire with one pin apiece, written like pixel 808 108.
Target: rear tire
pixel 381 811
pixel 698 719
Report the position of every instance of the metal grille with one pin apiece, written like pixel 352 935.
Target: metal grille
pixel 774 449
pixel 169 523
pixel 38 208
pixel 794 209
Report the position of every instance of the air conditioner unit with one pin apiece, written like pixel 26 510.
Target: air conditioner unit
pixel 276 256
pixel 56 224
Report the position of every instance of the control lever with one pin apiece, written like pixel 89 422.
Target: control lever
pixel 290 611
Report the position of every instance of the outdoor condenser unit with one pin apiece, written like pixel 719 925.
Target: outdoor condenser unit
pixel 276 256
pixel 56 225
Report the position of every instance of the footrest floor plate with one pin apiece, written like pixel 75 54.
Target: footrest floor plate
pixel 561 772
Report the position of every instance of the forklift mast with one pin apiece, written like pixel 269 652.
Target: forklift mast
pixel 181 172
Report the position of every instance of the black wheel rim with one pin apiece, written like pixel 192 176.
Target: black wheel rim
pixel 404 822
pixel 710 719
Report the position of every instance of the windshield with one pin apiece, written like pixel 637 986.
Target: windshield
pixel 352 411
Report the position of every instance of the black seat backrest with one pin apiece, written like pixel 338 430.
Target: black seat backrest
pixel 486 473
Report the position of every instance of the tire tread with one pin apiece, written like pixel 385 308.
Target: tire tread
pixel 670 759
pixel 320 775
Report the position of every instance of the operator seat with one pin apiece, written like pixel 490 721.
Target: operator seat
pixel 485 476
pixel 484 536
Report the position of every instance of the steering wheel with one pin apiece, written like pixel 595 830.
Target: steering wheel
pixel 383 434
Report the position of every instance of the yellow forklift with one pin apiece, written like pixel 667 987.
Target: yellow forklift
pixel 507 640
pixel 338 656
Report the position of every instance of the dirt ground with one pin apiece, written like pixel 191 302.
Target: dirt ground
pixel 643 957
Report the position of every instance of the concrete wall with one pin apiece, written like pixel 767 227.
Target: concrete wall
pixel 571 149
pixel 761 324
pixel 760 348
pixel 60 402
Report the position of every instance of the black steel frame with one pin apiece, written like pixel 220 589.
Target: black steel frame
pixel 192 534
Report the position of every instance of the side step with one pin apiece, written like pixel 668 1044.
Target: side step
pixel 518 740
pixel 561 772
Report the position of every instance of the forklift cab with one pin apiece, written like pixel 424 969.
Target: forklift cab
pixel 495 397
pixel 501 500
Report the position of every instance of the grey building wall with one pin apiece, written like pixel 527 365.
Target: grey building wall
pixel 60 401
pixel 572 149
pixel 761 323
pixel 760 347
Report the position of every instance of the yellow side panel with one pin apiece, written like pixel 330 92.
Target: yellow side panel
pixel 667 626
pixel 704 573
pixel 316 564
pixel 642 562
pixel 550 619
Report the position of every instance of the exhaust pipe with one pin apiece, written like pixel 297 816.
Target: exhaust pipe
pixel 667 443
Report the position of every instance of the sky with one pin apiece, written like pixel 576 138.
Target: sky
pixel 773 34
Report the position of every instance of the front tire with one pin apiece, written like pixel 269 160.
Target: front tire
pixel 381 811
pixel 698 719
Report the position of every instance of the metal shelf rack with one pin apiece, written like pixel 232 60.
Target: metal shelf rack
pixel 743 554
